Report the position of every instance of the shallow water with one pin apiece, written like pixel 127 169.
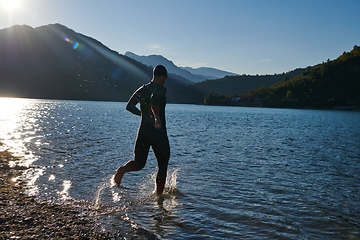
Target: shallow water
pixel 234 173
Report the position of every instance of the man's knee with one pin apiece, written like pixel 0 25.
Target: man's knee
pixel 140 164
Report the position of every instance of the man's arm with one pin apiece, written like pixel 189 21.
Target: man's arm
pixel 155 100
pixel 131 105
pixel 155 110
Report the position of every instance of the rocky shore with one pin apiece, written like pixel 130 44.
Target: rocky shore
pixel 23 217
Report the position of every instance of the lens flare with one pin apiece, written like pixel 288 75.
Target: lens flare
pixel 84 49
pixel 75 45
pixel 116 73
pixel 67 39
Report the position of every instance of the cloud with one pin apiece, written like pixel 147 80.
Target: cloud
pixel 158 49
pixel 261 61
pixel 154 46
pixel 199 64
pixel 186 63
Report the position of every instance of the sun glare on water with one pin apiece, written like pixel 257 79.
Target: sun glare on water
pixel 10 5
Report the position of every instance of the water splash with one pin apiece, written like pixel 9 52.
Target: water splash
pixel 171 179
pixel 148 185
pixel 108 183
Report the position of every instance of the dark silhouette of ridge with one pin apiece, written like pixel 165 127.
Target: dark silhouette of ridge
pixel 55 62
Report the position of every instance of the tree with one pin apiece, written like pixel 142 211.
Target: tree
pixel 211 99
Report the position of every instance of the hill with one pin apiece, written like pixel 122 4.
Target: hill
pixel 55 62
pixel 229 85
pixel 330 84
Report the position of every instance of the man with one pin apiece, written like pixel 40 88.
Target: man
pixel 152 130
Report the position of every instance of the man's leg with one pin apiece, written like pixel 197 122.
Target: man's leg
pixel 162 153
pixel 141 151
pixel 128 167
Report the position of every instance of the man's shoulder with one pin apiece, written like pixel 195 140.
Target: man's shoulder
pixel 143 88
pixel 159 89
pixel 151 88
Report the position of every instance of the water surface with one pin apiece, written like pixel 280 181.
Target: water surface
pixel 234 173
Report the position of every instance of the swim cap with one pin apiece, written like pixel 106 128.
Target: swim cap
pixel 160 70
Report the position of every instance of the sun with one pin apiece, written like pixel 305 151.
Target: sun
pixel 10 4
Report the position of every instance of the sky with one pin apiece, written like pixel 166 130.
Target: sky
pixel 240 36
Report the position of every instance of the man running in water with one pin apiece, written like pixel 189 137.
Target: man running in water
pixel 152 131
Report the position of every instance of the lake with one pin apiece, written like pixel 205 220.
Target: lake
pixel 234 173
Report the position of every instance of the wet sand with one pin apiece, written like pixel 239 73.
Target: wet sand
pixel 23 217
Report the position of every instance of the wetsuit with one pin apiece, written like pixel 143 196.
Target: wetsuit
pixel 147 95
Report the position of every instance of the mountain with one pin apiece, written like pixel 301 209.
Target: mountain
pixel 55 62
pixel 194 75
pixel 154 60
pixel 210 73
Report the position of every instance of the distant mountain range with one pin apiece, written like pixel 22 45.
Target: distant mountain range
pixel 194 75
pixel 55 62
pixel 211 73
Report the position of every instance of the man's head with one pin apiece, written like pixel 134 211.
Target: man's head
pixel 159 70
pixel 160 74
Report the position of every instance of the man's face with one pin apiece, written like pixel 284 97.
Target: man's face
pixel 163 78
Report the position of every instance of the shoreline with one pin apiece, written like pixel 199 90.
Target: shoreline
pixel 23 217
pixel 335 108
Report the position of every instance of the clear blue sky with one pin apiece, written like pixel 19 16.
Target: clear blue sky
pixel 244 37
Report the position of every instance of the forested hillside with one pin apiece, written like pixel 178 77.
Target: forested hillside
pixel 230 85
pixel 332 83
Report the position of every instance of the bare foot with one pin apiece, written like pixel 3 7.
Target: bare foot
pixel 118 176
pixel 160 185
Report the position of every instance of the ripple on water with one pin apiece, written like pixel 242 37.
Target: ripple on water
pixel 234 173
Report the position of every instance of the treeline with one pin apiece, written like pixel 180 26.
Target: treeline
pixel 332 83
pixel 215 99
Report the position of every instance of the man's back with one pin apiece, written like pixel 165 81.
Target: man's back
pixel 151 94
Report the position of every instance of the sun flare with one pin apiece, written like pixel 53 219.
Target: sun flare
pixel 10 4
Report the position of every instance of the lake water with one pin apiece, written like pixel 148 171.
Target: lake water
pixel 234 173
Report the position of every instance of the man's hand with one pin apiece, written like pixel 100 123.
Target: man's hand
pixel 155 110
pixel 157 123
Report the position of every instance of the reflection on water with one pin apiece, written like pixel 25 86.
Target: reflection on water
pixel 65 192
pixel 12 118
pixel 31 176
pixel 234 173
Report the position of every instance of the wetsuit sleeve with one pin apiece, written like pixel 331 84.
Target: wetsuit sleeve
pixel 131 105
